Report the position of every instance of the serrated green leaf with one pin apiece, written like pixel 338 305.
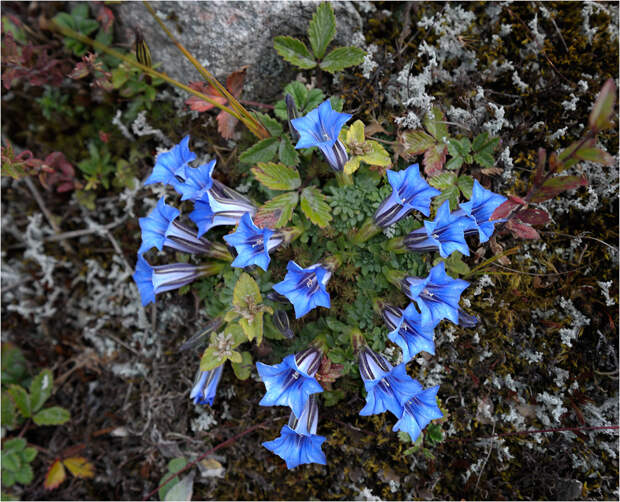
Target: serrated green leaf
pixel 322 29
pixel 8 478
pixel 603 108
pixel 41 389
pixel 454 163
pixel 11 461
pixel 24 475
pixel 263 151
pixel 299 92
pixel 337 103
pixel 315 98
pixel 451 193
pixel 272 125
pixel 287 153
pixel 485 159
pixel 280 207
pixel 315 207
pixel 8 411
pixel 433 122
pixel 52 416
pixel 276 176
pixel 79 11
pixel 416 142
pixel 294 51
pixel 443 181
pixel 246 292
pixel 29 454
pixel 243 369
pixel 14 445
pixel 21 399
pixel 341 58
pixel 479 141
pixel 466 185
pixel 14 367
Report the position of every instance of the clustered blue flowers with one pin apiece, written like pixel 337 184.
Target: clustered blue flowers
pixel 292 382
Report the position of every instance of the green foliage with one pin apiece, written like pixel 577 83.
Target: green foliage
pixel 314 206
pixel 305 100
pixel 362 150
pixel 175 465
pixel 98 166
pixel 77 20
pixel 54 103
pixel 16 460
pixel 321 32
pixel 277 176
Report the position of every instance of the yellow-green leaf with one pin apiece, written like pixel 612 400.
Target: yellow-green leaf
pixel 246 292
pixel 79 467
pixel 235 357
pixel 314 206
pixel 277 176
pixel 378 156
pixel 352 165
pixel 210 360
pixel 55 475
pixel 22 399
pixel 244 368
pixel 253 328
pixel 52 416
pixel 355 134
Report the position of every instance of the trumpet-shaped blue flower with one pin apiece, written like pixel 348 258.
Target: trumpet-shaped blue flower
pixel 409 331
pixel 409 192
pixel 291 382
pixel 253 244
pixel 305 287
pixel 446 233
pixel 154 280
pixel 437 296
pixel 321 128
pixel 205 386
pixel 160 229
pixel 479 209
pixel 197 183
pixel 386 386
pixel 298 442
pixel 418 411
pixel 170 167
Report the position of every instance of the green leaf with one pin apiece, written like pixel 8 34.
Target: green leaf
pixel 355 133
pixel 11 461
pixel 272 125
pixel 454 264
pixel 263 151
pixel 280 208
pixel 433 122
pixel 315 98
pixel 24 475
pixel 41 389
pixel 485 159
pixel 332 397
pixel 8 411
pixel 341 58
pixel 322 29
pixel 434 159
pixel 603 108
pixel 8 478
pixel 13 364
pixel 454 163
pixel 315 207
pixel 352 165
pixel 29 454
pixel 244 368
pixel 299 93
pixel 79 11
pixel 443 181
pixel 451 193
pixel 294 51
pixel 480 141
pixel 277 176
pixel 287 153
pixel 246 292
pixel 378 156
pixel 14 445
pixel 182 490
pixel 466 185
pixel 416 142
pixel 211 359
pixel 22 399
pixel 175 465
pixel 52 416
pixel 595 155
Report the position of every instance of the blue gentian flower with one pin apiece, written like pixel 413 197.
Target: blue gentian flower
pixel 253 244
pixel 408 331
pixel 418 411
pixel 479 209
pixel 170 167
pixel 437 296
pixel 220 206
pixel 409 192
pixel 467 320
pixel 205 385
pixel 305 287
pixel 446 233
pixel 298 442
pixel 198 182
pixel 154 280
pixel 291 382
pixel 321 128
pixel 386 386
pixel 160 229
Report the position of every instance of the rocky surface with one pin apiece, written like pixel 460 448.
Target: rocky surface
pixel 224 36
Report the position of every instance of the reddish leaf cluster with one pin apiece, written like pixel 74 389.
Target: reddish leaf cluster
pixel 31 63
pixel 57 171
pixel 234 84
pixel 90 66
pixel 328 372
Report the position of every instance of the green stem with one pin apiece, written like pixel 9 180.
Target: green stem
pixel 344 179
pixel 367 231
pixel 249 120
pixel 68 32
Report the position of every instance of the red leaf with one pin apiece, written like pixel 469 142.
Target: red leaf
pixel 507 207
pixel 226 124
pixel 533 216
pixel 521 230
pixel 235 81
pixel 557 185
pixel 106 17
pixel 199 105
pixel 434 159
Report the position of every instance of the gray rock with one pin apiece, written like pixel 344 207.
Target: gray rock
pixel 224 36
